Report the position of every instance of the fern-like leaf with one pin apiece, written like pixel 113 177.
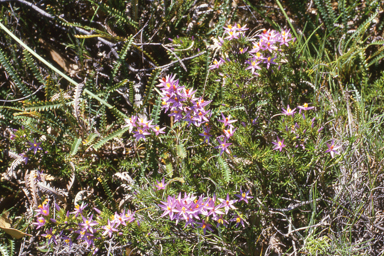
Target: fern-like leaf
pixel 12 73
pixel 155 115
pixel 225 169
pixel 148 90
pixel 32 65
pixel 77 95
pixel 75 146
pixel 122 55
pixel 110 137
pixel 4 250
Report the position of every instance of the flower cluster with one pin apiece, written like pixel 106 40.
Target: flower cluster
pixel 228 133
pixel 262 51
pixel 234 32
pixel 182 103
pixel 192 209
pixel 77 226
pixel 279 145
pixel 142 127
pixel 300 138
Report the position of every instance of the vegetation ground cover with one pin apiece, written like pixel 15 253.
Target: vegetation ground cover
pixel 191 127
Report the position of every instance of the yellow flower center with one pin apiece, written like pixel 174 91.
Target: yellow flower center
pixel 34 145
pixel 49 236
pixel 269 58
pixel 243 195
pixel 168 85
pixel 305 105
pixel 41 220
pixel 253 63
pixel 238 219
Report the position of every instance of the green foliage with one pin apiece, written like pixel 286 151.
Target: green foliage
pixel 114 54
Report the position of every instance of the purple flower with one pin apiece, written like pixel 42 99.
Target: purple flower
pixel 67 240
pixel 243 196
pixel 232 35
pixel 24 157
pixel 158 131
pixel 269 61
pixel 269 45
pixel 223 146
pixel 226 120
pixel 130 122
pixel 239 220
pixel 160 185
pixel 88 223
pixel 279 145
pixel 305 107
pixel 40 222
pixel 89 239
pixel 109 229
pixel 227 204
pixel 43 209
pixel 130 216
pixel 289 111
pixel 206 134
pixel 140 134
pixel 253 65
pixel 332 148
pixel 229 133
pixel 51 237
pixel 168 207
pixel 216 64
pixel 35 146
pixel 220 220
pixel 120 219
pixel 242 50
pixel 190 221
pixel 204 225
pixel 79 209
